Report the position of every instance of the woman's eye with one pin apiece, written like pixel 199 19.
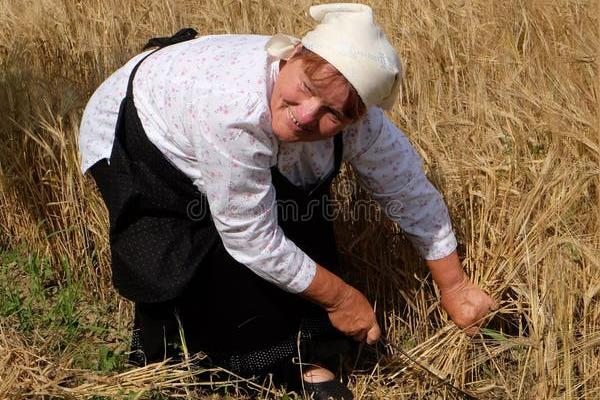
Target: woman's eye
pixel 334 116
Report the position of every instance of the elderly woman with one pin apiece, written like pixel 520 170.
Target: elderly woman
pixel 193 146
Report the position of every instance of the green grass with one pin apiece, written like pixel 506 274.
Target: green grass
pixel 49 307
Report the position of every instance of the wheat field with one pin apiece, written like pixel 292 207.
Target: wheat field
pixel 502 100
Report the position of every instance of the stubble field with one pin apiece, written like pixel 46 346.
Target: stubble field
pixel 502 100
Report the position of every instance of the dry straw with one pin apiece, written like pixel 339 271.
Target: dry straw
pixel 500 98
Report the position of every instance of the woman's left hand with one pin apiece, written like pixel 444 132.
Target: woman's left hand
pixel 467 305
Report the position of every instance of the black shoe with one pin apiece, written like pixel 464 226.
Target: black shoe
pixel 327 390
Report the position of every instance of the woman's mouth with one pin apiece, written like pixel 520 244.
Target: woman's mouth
pixel 293 120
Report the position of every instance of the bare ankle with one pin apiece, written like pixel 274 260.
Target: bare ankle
pixel 318 374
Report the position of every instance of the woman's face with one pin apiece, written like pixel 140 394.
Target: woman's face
pixel 304 109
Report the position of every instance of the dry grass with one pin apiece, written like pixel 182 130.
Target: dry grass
pixel 500 97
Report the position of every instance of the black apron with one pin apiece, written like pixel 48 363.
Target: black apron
pixel 170 261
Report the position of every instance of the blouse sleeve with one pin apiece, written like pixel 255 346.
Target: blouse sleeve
pixel 235 166
pixel 388 166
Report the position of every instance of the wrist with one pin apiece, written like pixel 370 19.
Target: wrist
pixel 454 287
pixel 448 274
pixel 326 289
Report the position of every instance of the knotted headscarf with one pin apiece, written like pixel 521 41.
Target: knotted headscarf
pixel 349 39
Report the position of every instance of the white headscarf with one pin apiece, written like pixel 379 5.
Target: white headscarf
pixel 349 39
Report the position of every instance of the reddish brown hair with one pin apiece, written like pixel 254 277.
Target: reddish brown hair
pixel 354 107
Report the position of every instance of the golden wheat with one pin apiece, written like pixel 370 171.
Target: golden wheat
pixel 500 98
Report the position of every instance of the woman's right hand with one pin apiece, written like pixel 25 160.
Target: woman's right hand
pixel 355 317
pixel 349 311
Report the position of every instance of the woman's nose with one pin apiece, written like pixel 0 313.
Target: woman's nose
pixel 308 110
